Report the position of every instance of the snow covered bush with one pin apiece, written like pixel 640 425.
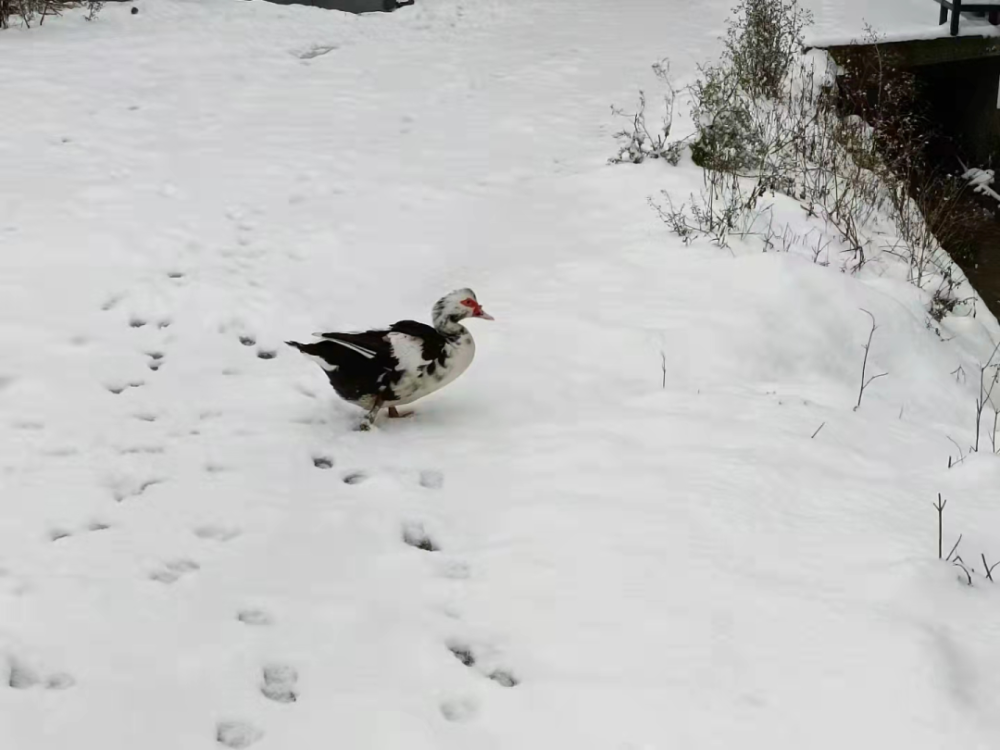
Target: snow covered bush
pixel 26 12
pixel 851 150
pixel 638 141
pixel 762 43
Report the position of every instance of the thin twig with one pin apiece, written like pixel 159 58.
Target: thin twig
pixel 940 509
pixel 864 365
pixel 961 565
pixel 957 542
pixel 961 455
pixel 989 568
pixel 817 430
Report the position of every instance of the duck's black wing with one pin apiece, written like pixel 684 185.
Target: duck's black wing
pixel 365 364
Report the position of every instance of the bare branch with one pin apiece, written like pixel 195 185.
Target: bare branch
pixel 864 364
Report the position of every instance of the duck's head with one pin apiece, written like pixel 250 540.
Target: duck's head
pixel 458 305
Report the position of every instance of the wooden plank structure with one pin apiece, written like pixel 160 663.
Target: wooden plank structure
pixel 957 8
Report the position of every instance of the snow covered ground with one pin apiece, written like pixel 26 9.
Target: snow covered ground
pixel 195 547
pixel 844 21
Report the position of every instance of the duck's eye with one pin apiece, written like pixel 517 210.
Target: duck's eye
pixel 468 302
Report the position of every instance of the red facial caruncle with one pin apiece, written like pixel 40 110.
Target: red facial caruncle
pixel 477 309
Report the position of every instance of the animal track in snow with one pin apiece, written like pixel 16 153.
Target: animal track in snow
pixel 503 678
pixel 59 681
pixel 23 676
pixel 237 734
pixel 315 51
pixel 148 450
pixel 125 490
pixel 164 323
pixel 118 388
pixel 248 340
pixel 459 709
pixel 98 526
pixel 279 683
pixel 216 533
pixel 431 479
pixel 155 360
pixel 60 451
pixel 175 275
pixel 323 462
pixel 253 616
pixel 174 570
pixel 56 534
pixel 415 536
pixel 267 353
pixel 355 477
pixel 137 322
pixel 28 424
pixel 456 570
pixel 463 653
pixel 145 417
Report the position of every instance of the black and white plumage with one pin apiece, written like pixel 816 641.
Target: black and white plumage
pixel 395 366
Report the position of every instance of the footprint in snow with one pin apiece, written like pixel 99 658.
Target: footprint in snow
pixel 323 462
pixel 174 570
pixel 315 51
pixel 456 570
pixel 504 678
pixel 256 617
pixel 279 683
pixel 459 709
pixel 464 653
pixel 125 490
pixel 216 533
pixel 155 360
pixel 137 322
pixel 23 676
pixel 149 450
pixel 431 479
pixel 355 477
pixel 60 451
pixel 415 536
pixel 237 734
pixel 112 302
pixel 119 388
pixel 267 353
pixel 98 526
pixel 248 340
pixel 56 534
pixel 28 425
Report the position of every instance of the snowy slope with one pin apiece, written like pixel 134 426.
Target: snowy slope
pixel 191 534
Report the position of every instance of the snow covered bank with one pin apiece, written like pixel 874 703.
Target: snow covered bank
pixel 190 533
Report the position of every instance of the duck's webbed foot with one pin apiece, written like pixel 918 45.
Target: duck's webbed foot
pixel 369 421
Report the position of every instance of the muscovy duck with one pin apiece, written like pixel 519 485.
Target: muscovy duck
pixel 395 366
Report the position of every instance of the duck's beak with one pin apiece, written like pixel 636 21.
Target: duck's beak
pixel 481 313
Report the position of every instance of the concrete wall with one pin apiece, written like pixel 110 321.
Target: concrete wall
pixel 964 97
pixel 960 77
